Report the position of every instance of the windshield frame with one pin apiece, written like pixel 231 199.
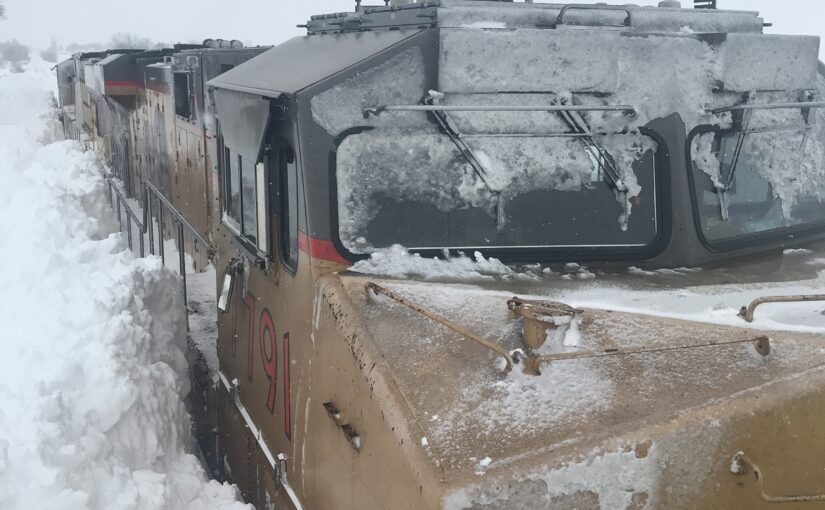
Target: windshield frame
pixel 775 236
pixel 529 254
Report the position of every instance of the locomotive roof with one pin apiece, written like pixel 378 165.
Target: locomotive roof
pixel 512 15
pixel 304 61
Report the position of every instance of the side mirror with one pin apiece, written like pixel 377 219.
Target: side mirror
pixel 225 298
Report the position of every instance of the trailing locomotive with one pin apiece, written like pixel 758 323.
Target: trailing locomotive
pixel 656 137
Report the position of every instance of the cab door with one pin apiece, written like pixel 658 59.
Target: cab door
pixel 270 310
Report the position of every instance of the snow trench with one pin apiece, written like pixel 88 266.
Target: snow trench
pixel 93 374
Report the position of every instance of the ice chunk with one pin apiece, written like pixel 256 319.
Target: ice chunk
pixel 397 261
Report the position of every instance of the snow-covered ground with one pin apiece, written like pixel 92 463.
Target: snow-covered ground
pixel 92 372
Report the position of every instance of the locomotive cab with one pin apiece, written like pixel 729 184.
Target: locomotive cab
pixel 534 134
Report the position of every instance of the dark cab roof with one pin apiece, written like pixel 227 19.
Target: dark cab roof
pixel 304 61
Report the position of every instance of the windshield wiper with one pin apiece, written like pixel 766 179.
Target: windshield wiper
pixel 570 115
pixel 449 128
pixel 606 165
pixel 725 183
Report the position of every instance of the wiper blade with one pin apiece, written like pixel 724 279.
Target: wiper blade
pixel 448 126
pixel 579 126
pixel 726 179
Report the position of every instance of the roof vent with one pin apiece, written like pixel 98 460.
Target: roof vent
pixel 704 4
pixel 670 4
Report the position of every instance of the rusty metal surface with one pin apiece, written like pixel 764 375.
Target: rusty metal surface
pixel 539 317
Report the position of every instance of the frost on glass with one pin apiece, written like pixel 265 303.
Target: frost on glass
pixel 681 74
pixel 378 166
pixel 779 174
pixel 423 167
pixel 399 80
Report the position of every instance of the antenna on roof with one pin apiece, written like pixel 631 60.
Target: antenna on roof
pixel 704 4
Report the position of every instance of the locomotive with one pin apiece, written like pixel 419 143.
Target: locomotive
pixel 532 133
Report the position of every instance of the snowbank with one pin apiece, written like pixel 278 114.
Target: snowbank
pixel 91 413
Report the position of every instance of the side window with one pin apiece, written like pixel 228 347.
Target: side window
pixel 245 201
pixel 288 205
pixel 249 199
pixel 232 189
pixel 183 93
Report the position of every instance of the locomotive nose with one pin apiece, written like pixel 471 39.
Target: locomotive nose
pixel 639 412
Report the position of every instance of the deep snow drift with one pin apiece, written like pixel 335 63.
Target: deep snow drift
pixel 92 371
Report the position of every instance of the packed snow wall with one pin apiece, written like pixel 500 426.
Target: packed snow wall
pixel 93 374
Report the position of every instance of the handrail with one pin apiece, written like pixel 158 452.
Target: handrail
pixel 282 477
pixel 761 344
pixel 178 216
pixel 768 106
pixel 461 330
pixel 130 214
pixel 747 312
pixel 628 22
pixel 741 461
pixel 377 110
pixel 278 463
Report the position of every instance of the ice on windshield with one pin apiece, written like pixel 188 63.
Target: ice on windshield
pixel 766 171
pixel 399 80
pixel 378 170
pixel 408 168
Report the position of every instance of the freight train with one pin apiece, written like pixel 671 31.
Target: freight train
pixel 528 135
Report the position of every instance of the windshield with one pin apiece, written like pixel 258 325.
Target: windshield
pixel 764 176
pixel 418 189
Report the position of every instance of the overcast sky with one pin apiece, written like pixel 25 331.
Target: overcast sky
pixel 35 22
